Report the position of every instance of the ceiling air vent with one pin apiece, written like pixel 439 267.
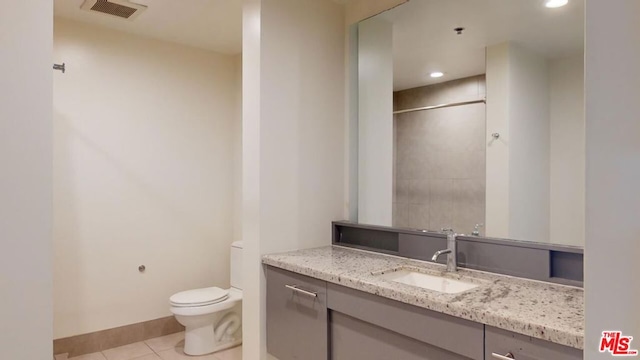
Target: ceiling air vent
pixel 121 8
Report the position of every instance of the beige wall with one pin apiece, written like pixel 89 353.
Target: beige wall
pixel 143 174
pixel 357 10
pixel 25 180
pixel 293 138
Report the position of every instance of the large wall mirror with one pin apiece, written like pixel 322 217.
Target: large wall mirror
pixel 471 117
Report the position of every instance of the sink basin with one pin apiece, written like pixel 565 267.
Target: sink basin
pixel 430 282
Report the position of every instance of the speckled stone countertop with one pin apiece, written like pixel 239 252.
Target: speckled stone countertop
pixel 542 310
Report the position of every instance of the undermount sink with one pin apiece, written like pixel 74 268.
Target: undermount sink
pixel 426 281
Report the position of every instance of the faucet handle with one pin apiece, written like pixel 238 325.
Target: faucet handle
pixel 447 230
pixel 476 229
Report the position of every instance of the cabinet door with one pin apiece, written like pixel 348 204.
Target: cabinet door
pixel 499 343
pixel 296 316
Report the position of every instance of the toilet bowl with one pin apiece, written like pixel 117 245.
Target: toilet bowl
pixel 212 316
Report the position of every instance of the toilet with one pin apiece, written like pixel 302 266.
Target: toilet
pixel 212 316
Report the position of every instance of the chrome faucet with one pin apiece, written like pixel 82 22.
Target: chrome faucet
pixel 451 251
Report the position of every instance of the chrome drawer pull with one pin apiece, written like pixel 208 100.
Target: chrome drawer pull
pixel 509 356
pixel 298 290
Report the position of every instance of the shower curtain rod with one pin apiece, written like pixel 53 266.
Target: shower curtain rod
pixel 441 106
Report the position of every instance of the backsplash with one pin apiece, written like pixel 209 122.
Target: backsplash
pixel 538 261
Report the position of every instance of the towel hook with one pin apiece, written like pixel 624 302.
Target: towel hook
pixel 60 67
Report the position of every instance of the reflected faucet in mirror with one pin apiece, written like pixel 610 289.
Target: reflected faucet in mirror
pixel 476 229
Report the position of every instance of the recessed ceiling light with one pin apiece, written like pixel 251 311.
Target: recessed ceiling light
pixel 556 3
pixel 437 74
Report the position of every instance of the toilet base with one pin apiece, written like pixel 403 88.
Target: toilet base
pixel 199 341
pixel 211 332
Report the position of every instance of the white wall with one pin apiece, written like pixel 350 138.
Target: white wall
pixel 237 152
pixel 566 99
pixel 375 122
pixel 293 138
pixel 143 174
pixel 253 302
pixel 529 144
pixel 355 11
pixel 25 180
pixel 612 244
pixel 518 163
pixel 497 185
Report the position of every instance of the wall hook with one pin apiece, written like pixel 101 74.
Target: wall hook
pixel 496 135
pixel 60 67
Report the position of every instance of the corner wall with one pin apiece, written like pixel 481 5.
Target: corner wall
pixel 612 249
pixel 375 122
pixel 293 138
pixel 567 150
pixel 529 137
pixel 25 180
pixel 518 162
pixel 358 10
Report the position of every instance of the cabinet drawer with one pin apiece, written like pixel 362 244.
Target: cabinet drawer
pixel 502 342
pixel 296 316
pixel 458 336
pixel 353 339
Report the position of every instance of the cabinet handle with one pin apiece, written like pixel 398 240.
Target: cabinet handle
pixel 509 356
pixel 304 292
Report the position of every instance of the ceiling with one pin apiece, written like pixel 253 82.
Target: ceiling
pixel 424 40
pixel 208 24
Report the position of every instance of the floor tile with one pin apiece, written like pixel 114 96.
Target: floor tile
pixel 93 356
pixel 61 356
pixel 128 352
pixel 178 354
pixel 166 342
pixel 230 354
pixel 148 357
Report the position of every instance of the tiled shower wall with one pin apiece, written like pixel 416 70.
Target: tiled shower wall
pixel 439 157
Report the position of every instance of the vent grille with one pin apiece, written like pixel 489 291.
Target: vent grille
pixel 104 6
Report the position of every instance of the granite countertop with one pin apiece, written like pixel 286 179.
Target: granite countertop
pixel 534 308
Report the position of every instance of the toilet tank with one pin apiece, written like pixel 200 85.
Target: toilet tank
pixel 236 265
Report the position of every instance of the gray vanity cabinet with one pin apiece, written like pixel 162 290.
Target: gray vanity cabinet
pixel 500 342
pixel 296 316
pixel 309 319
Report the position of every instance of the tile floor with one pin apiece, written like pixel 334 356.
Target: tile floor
pixel 162 348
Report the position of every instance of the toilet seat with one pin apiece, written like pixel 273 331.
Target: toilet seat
pixel 199 297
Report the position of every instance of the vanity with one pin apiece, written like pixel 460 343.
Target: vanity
pixel 464 115
pixel 340 303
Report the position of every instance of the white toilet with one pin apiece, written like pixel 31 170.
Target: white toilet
pixel 212 317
